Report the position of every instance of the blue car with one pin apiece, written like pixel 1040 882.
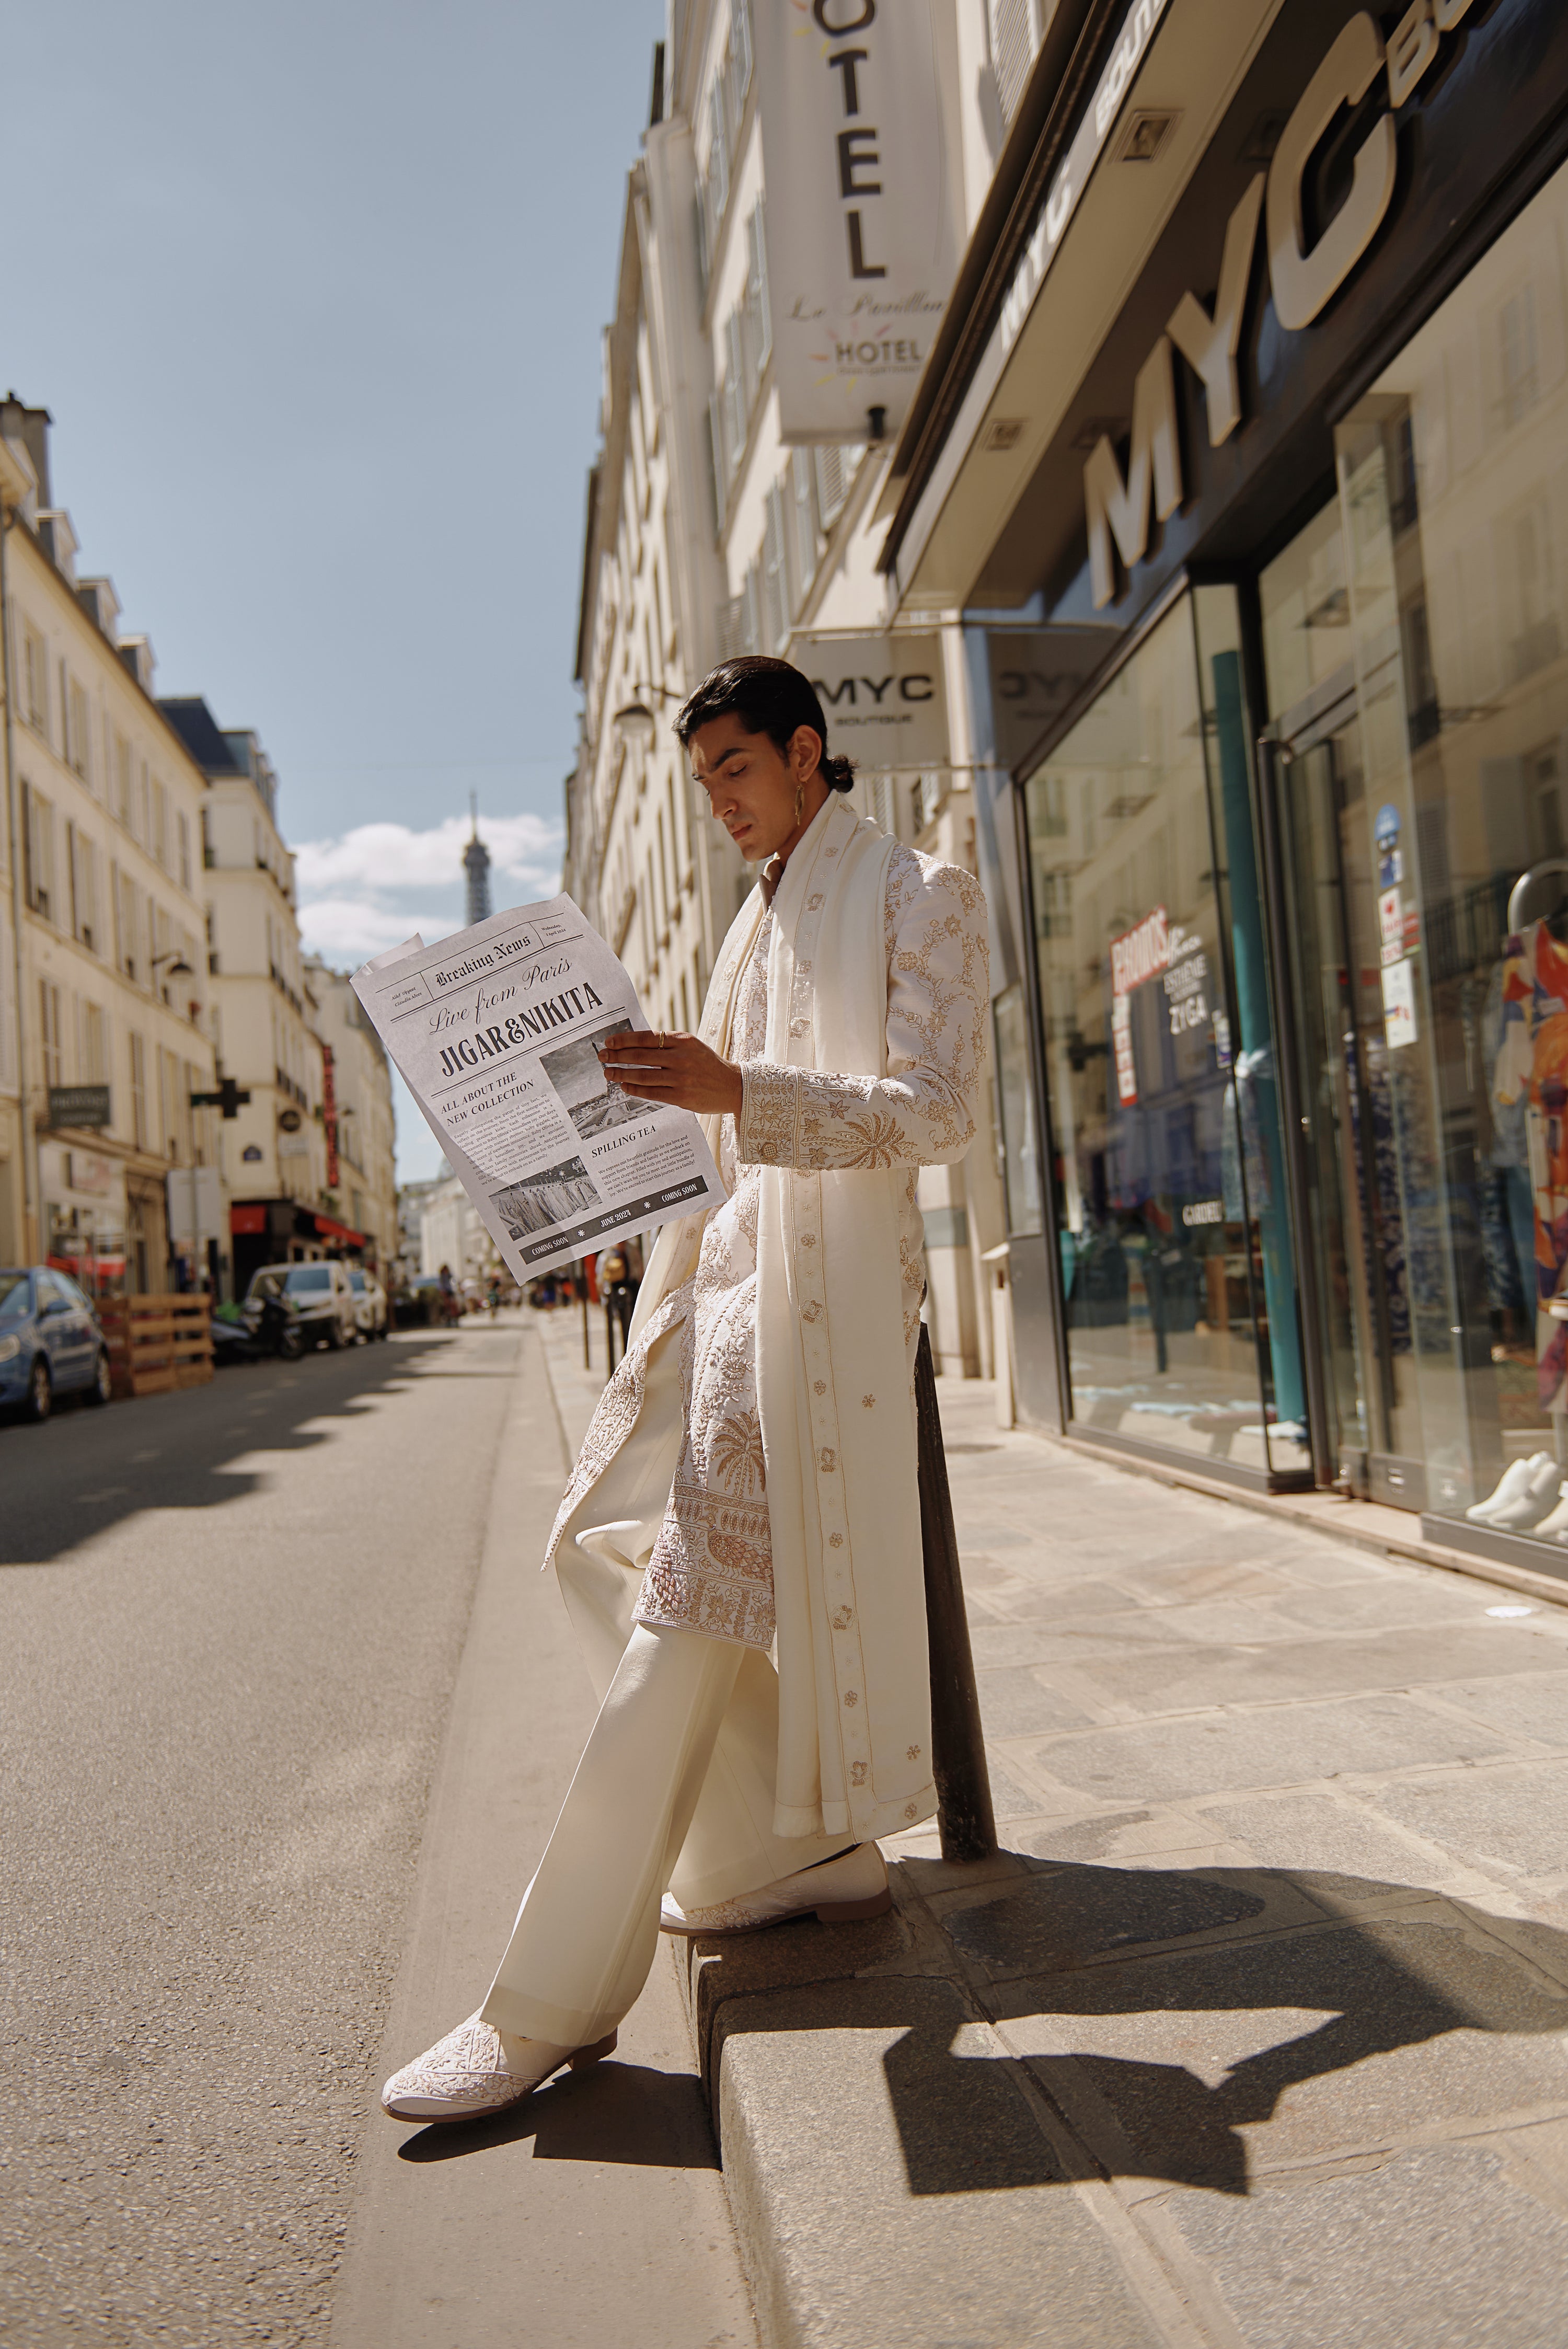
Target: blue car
pixel 50 1341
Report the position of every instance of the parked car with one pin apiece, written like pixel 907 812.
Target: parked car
pixel 369 1302
pixel 50 1341
pixel 323 1303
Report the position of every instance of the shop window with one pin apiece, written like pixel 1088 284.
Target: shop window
pixel 1168 1193
pixel 1426 854
pixel 1016 1117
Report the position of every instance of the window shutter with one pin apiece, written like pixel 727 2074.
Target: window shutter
pixel 737 405
pixel 715 466
pixel 775 591
pixel 718 159
pixel 740 50
pixel 804 501
pixel 831 489
pixel 1014 37
pixel 757 285
pixel 731 627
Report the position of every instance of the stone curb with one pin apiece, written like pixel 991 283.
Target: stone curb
pixel 875 2128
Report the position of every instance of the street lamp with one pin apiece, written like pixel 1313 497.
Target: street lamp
pixel 637 725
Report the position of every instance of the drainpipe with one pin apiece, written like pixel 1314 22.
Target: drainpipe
pixel 31 1234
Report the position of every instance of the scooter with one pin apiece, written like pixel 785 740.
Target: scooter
pixel 275 1332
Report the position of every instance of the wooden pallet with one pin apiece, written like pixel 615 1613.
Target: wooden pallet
pixel 157 1344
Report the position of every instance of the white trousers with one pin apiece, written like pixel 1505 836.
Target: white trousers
pixel 675 1791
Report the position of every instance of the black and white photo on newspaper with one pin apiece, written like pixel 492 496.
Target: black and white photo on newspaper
pixel 496 1032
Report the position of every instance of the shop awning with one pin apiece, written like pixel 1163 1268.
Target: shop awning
pixel 327 1230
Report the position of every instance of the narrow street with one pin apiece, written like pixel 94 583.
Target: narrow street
pixel 232 1621
pixel 1272 1955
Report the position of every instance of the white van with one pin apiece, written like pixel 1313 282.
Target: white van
pixel 322 1298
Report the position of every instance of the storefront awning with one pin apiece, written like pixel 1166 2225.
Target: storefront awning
pixel 257 1217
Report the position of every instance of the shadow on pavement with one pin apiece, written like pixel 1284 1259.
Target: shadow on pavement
pixel 619 2113
pixel 1115 1968
pixel 85 1471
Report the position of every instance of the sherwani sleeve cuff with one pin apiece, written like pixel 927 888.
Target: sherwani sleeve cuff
pixel 767 1130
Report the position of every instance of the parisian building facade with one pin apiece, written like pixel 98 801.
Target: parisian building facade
pixel 708 535
pixel 106 1006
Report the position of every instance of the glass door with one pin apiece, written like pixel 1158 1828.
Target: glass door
pixel 1355 1116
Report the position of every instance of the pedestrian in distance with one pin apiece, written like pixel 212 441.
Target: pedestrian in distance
pixel 748 1487
pixel 618 1287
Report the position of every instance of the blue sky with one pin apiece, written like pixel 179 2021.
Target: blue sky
pixel 314 293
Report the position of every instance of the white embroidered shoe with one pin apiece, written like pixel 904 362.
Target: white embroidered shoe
pixel 475 2070
pixel 839 1890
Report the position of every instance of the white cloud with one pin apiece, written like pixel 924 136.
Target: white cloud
pixel 372 887
pixel 391 856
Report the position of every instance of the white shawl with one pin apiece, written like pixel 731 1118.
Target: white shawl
pixel 833 1385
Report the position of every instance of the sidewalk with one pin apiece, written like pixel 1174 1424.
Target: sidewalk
pixel 1254 2033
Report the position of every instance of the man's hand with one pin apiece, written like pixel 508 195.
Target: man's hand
pixel 653 1066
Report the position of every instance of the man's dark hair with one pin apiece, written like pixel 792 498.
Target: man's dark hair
pixel 769 697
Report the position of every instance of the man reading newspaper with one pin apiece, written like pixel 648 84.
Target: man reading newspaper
pixel 740 1542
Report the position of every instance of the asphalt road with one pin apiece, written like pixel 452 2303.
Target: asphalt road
pixel 230 1621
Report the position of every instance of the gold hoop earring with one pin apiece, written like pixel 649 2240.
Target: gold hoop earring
pixel 800 805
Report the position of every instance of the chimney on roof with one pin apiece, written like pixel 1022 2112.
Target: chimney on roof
pixel 31 427
pixel 476 865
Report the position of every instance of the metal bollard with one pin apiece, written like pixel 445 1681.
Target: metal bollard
pixel 963 1812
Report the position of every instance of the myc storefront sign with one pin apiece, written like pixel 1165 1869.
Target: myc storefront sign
pixel 883 696
pixel 1304 276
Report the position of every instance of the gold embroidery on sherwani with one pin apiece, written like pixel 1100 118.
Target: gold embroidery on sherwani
pixel 712 1570
pixel 712 1565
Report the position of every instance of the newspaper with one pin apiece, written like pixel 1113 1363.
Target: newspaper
pixel 495 1030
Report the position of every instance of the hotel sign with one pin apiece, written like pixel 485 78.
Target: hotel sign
pixel 859 224
pixel 1303 276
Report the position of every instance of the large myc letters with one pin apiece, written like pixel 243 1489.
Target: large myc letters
pixel 1210 345
pixel 1303 281
pixel 1301 278
pixel 1119 509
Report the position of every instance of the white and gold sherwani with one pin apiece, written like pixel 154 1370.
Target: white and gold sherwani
pixel 855 1006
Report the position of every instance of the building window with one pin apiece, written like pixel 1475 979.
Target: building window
pixel 718 478
pixel 737 64
pixel 803 515
pixel 775 572
pixel 81 858
pixel 735 395
pixel 122 780
pixel 126 948
pixel 49 1032
pixel 161 825
pixel 92 1064
pixel 182 826
pixel 39 821
pixel 756 328
pixel 715 178
pixel 35 673
pixel 74 702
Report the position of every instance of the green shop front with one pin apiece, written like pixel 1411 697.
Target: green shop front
pixel 1269 656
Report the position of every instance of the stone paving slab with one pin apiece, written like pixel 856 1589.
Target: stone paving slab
pixel 1255 2035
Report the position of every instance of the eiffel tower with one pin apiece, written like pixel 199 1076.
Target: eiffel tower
pixel 477 864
